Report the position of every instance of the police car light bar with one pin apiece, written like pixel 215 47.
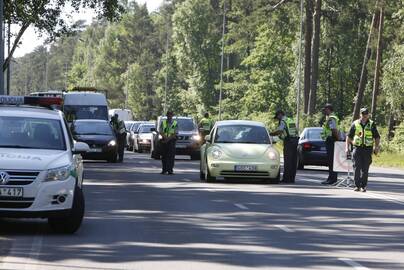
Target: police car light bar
pixel 34 101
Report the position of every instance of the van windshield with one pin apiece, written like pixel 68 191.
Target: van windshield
pixel 76 112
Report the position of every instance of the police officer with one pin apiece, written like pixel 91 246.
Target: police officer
pixel 205 125
pixel 363 134
pixel 288 133
pixel 330 134
pixel 120 133
pixel 168 131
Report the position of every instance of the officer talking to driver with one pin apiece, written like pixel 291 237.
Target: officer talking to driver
pixel 288 133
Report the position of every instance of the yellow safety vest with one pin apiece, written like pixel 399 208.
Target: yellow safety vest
pixel 290 130
pixel 169 130
pixel 327 132
pixel 363 134
pixel 206 124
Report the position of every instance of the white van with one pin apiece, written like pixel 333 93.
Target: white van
pixel 123 114
pixel 85 105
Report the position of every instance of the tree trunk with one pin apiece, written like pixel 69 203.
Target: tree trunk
pixel 15 45
pixel 364 72
pixel 315 50
pixel 376 83
pixel 307 53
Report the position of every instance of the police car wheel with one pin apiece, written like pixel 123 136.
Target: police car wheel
pixel 71 223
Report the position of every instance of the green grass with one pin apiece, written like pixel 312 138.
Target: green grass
pixel 388 159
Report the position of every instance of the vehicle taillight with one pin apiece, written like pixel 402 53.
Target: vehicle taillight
pixel 306 146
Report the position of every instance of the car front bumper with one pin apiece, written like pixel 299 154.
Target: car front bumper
pixel 225 168
pixel 40 199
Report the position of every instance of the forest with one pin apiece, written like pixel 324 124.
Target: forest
pixel 351 55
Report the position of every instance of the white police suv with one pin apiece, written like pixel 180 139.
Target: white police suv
pixel 41 169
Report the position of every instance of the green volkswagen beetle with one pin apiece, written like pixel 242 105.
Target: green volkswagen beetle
pixel 239 149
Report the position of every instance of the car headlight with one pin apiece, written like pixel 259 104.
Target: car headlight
pixel 272 155
pixel 145 141
pixel 160 137
pixel 112 143
pixel 59 174
pixel 196 137
pixel 217 154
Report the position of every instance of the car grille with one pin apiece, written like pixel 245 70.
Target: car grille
pixel 246 173
pixel 183 138
pixel 16 203
pixel 21 178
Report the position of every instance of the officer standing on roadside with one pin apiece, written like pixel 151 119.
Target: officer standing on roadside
pixel 363 134
pixel 330 134
pixel 205 125
pixel 168 131
pixel 288 133
pixel 120 133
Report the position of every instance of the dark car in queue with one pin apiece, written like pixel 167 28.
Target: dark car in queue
pixel 142 141
pixel 188 138
pixel 98 134
pixel 311 148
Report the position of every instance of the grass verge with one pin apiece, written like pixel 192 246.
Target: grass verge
pixel 390 160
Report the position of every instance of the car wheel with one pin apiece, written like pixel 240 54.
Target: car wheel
pixel 208 177
pixel 195 156
pixel 113 158
pixel 300 165
pixel 71 223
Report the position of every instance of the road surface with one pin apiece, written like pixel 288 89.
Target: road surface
pixel 139 219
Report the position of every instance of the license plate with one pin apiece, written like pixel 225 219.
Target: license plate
pixel 95 150
pixel 11 192
pixel 181 146
pixel 245 168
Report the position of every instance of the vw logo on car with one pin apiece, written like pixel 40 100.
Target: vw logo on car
pixel 4 178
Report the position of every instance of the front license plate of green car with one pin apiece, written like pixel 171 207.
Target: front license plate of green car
pixel 245 168
pixel 11 192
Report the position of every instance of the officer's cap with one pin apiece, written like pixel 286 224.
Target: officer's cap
pixel 328 106
pixel 277 113
pixel 364 110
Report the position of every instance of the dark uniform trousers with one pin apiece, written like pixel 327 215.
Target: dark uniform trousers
pixel 121 145
pixel 290 159
pixel 362 158
pixel 168 155
pixel 329 145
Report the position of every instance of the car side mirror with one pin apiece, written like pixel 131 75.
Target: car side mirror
pixel 153 129
pixel 80 148
pixel 208 138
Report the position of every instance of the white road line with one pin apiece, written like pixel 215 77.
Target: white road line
pixel 34 253
pixel 241 206
pixel 384 197
pixel 355 265
pixel 187 180
pixel 284 228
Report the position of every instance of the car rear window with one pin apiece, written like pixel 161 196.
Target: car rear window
pixel 313 134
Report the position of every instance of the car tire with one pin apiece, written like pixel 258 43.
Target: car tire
pixel 113 158
pixel 300 165
pixel 195 156
pixel 207 176
pixel 72 222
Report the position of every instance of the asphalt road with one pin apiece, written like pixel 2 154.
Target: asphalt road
pixel 138 219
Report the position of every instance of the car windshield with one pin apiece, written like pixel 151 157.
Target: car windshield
pixel 313 134
pixel 31 133
pixel 85 112
pixel 91 128
pixel 145 129
pixel 135 127
pixel 242 134
pixel 185 124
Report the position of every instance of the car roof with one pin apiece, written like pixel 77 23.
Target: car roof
pixel 178 117
pixel 91 120
pixel 308 128
pixel 240 122
pixel 30 111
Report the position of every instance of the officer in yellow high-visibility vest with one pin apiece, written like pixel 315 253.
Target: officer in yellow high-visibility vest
pixel 205 125
pixel 168 131
pixel 365 138
pixel 330 134
pixel 288 133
